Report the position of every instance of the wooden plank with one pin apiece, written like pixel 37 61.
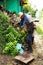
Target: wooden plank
pixel 25 58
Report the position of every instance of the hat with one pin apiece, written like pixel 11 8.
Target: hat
pixel 20 14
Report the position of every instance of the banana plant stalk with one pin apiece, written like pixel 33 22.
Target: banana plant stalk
pixel 4 4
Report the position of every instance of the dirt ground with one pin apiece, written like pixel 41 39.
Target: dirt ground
pixel 37 54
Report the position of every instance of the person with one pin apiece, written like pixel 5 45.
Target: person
pixel 27 20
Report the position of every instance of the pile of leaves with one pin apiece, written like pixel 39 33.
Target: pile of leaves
pixel 9 36
pixel 12 34
pixel 4 24
pixel 10 48
pixel 12 38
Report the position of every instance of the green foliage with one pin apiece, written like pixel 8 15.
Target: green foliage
pixel 12 33
pixel 33 12
pixel 15 52
pixel 4 23
pixel 2 39
pixel 23 35
pixel 28 8
pixel 38 29
pixel 23 32
pixel 10 37
pixel 41 14
pixel 10 48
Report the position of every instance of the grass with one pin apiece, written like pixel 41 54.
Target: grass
pixel 38 29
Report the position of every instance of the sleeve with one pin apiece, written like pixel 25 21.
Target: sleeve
pixel 25 20
pixel 21 23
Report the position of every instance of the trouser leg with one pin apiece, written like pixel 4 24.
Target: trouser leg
pixel 32 39
pixel 29 44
